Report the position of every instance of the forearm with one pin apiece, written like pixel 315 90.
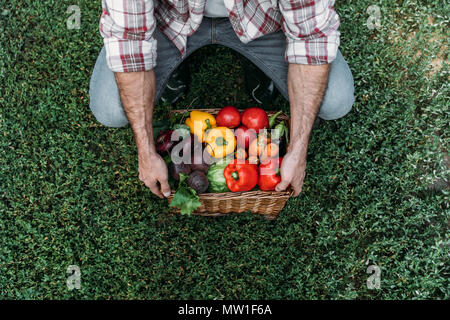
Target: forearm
pixel 137 92
pixel 306 85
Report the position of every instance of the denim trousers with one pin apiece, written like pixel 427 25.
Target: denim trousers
pixel 266 52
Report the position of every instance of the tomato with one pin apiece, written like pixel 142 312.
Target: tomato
pixel 270 150
pixel 269 174
pixel 228 117
pixel 244 136
pixel 258 145
pixel 255 118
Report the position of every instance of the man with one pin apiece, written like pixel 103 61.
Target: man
pixel 293 42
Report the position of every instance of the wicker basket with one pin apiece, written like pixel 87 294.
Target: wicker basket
pixel 266 203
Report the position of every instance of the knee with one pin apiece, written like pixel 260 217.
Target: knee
pixel 105 101
pixel 340 94
pixel 107 115
pixel 107 108
pixel 338 101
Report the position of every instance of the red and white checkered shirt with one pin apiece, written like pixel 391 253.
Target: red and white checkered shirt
pixel 127 26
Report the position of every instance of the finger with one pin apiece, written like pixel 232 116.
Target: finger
pixel 282 185
pixel 165 188
pixel 297 190
pixel 155 189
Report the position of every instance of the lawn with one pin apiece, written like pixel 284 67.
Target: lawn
pixel 373 195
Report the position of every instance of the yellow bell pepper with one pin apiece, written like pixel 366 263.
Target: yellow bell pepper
pixel 199 122
pixel 220 142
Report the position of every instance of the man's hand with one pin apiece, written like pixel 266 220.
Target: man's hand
pixel 153 172
pixel 137 92
pixel 306 85
pixel 293 170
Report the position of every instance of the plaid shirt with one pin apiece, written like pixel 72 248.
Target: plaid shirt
pixel 127 26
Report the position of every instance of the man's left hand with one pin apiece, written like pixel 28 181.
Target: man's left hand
pixel 306 86
pixel 293 170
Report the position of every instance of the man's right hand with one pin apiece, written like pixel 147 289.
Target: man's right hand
pixel 137 92
pixel 153 172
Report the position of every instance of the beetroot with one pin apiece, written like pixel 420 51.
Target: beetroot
pixel 164 142
pixel 176 169
pixel 198 161
pixel 198 181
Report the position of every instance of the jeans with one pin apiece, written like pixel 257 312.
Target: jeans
pixel 266 52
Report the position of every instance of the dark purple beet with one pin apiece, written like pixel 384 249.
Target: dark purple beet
pixel 198 160
pixel 164 142
pixel 176 169
pixel 203 167
pixel 198 181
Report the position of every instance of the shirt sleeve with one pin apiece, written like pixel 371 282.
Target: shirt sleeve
pixel 127 28
pixel 311 29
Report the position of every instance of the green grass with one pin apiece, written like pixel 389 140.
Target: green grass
pixel 69 193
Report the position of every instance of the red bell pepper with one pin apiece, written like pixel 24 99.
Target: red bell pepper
pixel 241 176
pixel 269 174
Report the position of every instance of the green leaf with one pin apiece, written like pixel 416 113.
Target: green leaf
pixel 180 126
pixel 278 131
pixel 167 159
pixel 273 118
pixel 185 199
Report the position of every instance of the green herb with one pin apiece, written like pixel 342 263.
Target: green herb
pixel 167 159
pixel 279 130
pixel 185 199
pixel 273 118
